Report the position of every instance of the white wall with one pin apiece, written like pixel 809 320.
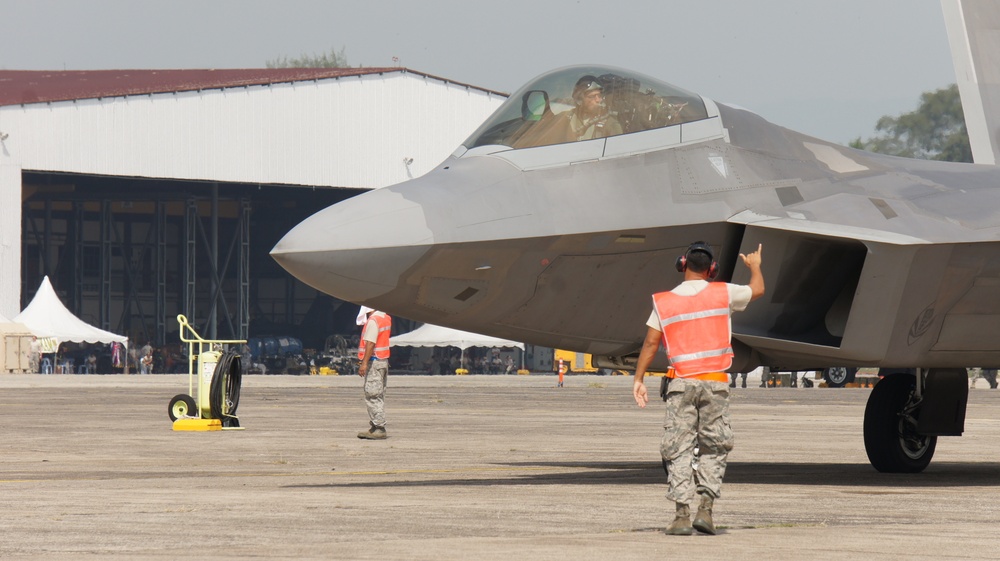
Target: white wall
pixel 346 132
pixel 343 132
pixel 10 237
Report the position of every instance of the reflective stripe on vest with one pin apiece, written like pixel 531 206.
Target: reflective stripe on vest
pixel 381 351
pixel 696 331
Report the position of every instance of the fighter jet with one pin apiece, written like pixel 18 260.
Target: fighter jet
pixel 555 221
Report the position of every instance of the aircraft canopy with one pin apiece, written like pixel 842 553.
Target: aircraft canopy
pixel 585 102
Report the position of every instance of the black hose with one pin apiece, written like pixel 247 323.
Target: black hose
pixel 228 376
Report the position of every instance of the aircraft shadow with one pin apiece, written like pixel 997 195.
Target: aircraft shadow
pixel 941 474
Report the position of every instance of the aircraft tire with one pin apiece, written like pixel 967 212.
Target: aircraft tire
pixel 839 376
pixel 892 444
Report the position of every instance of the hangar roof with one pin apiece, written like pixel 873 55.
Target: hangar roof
pixel 38 86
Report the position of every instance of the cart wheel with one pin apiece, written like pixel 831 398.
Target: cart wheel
pixel 181 405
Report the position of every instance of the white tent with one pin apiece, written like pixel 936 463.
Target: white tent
pixel 436 336
pixel 48 318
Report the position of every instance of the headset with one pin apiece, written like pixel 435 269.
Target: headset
pixel 701 247
pixel 584 85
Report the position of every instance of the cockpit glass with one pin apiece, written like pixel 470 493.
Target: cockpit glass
pixel 583 103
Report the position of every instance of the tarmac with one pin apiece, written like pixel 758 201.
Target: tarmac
pixel 475 468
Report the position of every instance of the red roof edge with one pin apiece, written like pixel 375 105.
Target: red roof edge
pixel 18 87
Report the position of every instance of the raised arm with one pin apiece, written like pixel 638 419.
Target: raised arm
pixel 756 284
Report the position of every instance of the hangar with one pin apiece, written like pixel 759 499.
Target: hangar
pixel 143 194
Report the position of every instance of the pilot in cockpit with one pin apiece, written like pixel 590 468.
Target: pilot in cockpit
pixel 591 118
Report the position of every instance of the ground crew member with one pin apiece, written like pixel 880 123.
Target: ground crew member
pixel 693 321
pixel 734 375
pixel 988 374
pixel 767 379
pixel 562 372
pixel 373 352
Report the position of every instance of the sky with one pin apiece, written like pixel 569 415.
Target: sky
pixel 827 68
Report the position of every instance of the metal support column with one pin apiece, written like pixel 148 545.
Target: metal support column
pixel 216 285
pixel 160 256
pixel 190 239
pixel 106 226
pixel 123 238
pixel 47 268
pixel 76 243
pixel 243 295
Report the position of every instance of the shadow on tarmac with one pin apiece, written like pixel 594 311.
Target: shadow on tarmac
pixel 942 474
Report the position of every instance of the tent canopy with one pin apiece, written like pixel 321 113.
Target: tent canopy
pixel 436 336
pixel 7 326
pixel 46 317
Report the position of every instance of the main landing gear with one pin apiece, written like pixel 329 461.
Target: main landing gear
pixel 907 411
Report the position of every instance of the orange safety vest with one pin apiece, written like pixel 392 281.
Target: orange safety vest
pixel 384 323
pixel 696 332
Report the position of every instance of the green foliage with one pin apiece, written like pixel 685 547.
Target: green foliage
pixel 935 131
pixel 333 59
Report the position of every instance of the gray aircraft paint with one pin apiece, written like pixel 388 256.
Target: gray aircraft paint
pixel 535 232
pixel 869 260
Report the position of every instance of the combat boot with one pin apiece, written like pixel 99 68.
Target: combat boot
pixel 374 433
pixel 681 526
pixel 703 520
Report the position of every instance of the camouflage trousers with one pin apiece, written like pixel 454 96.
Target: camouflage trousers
pixel 375 381
pixel 697 417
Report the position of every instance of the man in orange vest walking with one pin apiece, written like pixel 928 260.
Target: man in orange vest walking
pixel 373 352
pixel 693 322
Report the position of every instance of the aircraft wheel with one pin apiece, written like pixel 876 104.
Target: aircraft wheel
pixel 182 405
pixel 891 440
pixel 839 376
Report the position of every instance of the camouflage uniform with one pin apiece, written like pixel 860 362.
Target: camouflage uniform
pixel 375 382
pixel 697 417
pixel 988 374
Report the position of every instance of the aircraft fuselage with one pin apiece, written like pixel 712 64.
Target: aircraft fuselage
pixel 869 260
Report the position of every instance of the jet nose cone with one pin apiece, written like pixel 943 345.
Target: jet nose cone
pixel 357 250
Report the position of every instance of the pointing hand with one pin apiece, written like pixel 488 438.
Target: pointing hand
pixel 753 259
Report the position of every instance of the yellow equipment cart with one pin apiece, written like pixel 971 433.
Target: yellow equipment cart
pixel 219 376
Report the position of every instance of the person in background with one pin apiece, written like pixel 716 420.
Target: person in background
pixel 988 374
pixel 734 375
pixel 146 362
pixel 373 352
pixel 35 355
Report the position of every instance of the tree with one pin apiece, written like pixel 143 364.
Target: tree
pixel 935 131
pixel 333 59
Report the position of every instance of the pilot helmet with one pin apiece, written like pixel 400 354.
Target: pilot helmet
pixel 585 84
